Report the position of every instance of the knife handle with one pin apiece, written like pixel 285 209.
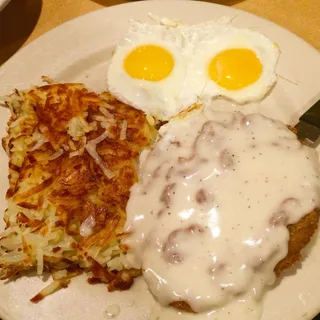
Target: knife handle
pixel 312 116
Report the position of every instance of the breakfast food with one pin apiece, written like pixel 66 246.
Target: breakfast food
pixel 72 160
pixel 225 203
pixel 219 211
pixel 148 70
pixel 237 64
pixel 165 68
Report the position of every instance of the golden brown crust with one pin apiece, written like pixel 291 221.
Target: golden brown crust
pixel 56 183
pixel 300 234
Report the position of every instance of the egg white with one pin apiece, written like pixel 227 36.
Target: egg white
pixel 192 47
pixel 227 37
pixel 161 99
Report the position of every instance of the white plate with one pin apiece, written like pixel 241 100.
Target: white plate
pixel 3 3
pixel 79 51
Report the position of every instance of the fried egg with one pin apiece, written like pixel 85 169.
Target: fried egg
pixel 163 69
pixel 238 64
pixel 149 69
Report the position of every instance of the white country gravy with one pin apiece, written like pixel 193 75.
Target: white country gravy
pixel 207 221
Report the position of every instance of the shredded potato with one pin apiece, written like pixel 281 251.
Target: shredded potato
pixel 66 169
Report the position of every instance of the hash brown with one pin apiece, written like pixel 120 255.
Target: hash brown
pixel 72 160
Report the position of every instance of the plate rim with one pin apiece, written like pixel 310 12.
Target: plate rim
pixel 135 3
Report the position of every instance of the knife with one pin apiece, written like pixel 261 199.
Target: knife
pixel 308 127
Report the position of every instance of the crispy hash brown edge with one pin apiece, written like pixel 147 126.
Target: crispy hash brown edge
pixel 72 160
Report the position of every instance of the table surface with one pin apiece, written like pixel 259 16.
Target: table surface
pixel 24 20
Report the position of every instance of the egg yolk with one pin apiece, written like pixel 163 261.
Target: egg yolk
pixel 149 62
pixel 234 69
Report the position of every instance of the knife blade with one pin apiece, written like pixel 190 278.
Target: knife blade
pixel 308 127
